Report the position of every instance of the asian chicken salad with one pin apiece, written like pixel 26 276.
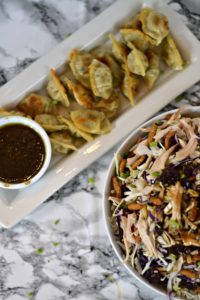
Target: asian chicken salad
pixel 155 205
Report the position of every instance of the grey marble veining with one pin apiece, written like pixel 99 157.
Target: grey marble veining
pixel 61 251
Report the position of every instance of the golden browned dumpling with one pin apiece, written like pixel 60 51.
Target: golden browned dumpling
pixel 114 67
pixel 81 94
pixel 100 79
pixel 137 62
pixel 153 71
pixel 110 106
pixel 137 37
pixel 35 104
pixel 119 50
pixel 75 131
pixel 130 85
pixel 133 23
pixel 62 142
pixel 79 63
pixel 56 90
pixel 49 122
pixel 171 55
pixel 154 24
pixel 91 121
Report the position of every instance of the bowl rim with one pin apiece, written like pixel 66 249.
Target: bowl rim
pixel 186 110
pixel 14 119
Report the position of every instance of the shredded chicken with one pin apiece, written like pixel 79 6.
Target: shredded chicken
pixel 187 150
pixel 142 227
pixel 159 163
pixel 174 194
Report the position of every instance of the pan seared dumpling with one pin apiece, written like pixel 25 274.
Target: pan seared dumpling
pixel 133 23
pixel 91 121
pixel 130 85
pixel 154 24
pixel 137 62
pixel 137 37
pixel 171 55
pixel 153 71
pixel 49 122
pixel 114 67
pixel 79 63
pixel 100 79
pixel 62 142
pixel 81 94
pixel 56 90
pixel 75 131
pixel 4 113
pixel 119 50
pixel 110 106
pixel 35 104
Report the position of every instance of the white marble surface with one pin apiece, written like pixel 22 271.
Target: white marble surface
pixel 61 250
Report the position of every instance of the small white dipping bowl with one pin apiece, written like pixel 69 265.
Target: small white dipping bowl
pixel 126 145
pixel 18 120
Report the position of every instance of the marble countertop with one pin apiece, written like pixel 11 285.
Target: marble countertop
pixel 61 250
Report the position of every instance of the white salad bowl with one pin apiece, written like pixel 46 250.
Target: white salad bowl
pixel 11 120
pixel 126 145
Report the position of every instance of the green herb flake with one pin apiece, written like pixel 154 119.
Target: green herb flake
pixel 57 221
pixel 91 180
pixel 40 250
pixel 30 294
pixel 56 244
pixel 153 144
pixel 198 263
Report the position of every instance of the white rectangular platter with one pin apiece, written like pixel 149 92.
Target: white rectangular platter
pixel 14 205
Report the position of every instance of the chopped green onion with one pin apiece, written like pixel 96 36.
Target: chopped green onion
pixel 175 223
pixel 153 144
pixel 124 175
pixel 133 186
pixel 159 122
pixel 30 294
pixel 156 174
pixel 134 173
pixel 198 263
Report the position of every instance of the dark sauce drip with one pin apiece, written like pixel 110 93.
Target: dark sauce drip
pixel 22 153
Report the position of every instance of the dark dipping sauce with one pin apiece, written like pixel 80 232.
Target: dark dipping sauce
pixel 22 153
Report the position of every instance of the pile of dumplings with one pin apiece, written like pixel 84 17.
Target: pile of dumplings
pixel 81 102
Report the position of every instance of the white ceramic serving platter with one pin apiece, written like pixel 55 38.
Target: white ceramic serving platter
pixel 14 205
pixel 192 112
